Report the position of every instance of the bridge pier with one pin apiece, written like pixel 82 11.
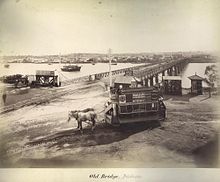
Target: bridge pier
pixel 154 75
pixel 175 71
pixel 151 81
pixel 181 67
pixel 143 81
pixel 160 77
pixel 178 69
pixel 146 82
pixel 156 78
pixel 169 71
pixel 172 71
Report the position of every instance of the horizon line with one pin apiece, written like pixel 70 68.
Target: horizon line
pixel 156 52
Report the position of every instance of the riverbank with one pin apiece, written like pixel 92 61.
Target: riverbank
pixel 40 136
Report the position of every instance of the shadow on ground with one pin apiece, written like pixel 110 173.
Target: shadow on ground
pixel 208 155
pixel 185 97
pixel 103 134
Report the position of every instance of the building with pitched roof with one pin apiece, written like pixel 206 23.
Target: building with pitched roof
pixel 196 84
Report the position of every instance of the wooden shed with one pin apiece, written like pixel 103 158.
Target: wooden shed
pixel 196 84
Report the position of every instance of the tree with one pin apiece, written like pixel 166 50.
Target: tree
pixel 211 73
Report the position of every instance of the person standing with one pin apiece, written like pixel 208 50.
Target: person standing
pixel 4 96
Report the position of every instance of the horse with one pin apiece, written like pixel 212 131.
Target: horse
pixel 70 114
pixel 83 116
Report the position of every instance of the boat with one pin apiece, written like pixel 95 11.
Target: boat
pixel 6 65
pixel 71 68
pixel 114 62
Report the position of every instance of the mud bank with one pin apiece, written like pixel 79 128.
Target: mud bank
pixel 40 136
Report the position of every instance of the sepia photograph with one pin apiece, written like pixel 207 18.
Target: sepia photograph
pixel 109 84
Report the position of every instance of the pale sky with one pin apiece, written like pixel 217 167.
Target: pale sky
pixel 126 26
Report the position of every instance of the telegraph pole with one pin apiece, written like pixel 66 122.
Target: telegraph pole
pixel 59 59
pixel 110 71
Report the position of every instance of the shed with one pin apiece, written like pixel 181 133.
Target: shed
pixel 46 78
pixel 196 84
pixel 172 85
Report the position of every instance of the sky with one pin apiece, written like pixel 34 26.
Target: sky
pixel 37 27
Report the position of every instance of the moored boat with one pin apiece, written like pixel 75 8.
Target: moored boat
pixel 71 68
pixel 114 63
pixel 6 65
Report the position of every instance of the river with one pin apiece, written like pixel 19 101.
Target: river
pixel 86 69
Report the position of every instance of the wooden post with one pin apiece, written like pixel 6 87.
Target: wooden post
pixel 110 71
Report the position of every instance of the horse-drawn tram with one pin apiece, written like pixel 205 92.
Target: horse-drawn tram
pixel 131 103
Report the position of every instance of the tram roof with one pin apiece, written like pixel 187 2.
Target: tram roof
pixel 124 79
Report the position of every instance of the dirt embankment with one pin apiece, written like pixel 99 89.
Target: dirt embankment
pixel 40 136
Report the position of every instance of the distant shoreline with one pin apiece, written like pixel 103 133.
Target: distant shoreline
pixel 191 60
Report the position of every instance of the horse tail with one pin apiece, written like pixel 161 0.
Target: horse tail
pixel 69 116
pixel 94 120
pixel 94 115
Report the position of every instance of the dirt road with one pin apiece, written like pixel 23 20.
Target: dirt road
pixel 40 136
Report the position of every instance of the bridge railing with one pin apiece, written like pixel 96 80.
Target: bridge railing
pixel 149 72
pixel 101 75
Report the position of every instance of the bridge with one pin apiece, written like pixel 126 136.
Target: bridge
pixel 151 74
pixel 148 73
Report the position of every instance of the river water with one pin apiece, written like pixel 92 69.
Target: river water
pixel 87 69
